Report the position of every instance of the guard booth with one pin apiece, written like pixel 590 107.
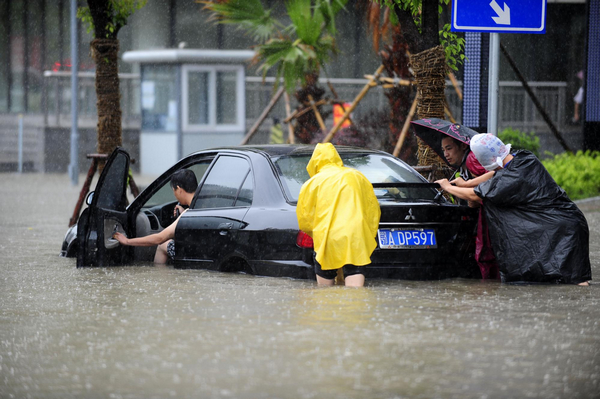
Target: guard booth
pixel 190 100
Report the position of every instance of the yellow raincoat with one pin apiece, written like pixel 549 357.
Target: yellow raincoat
pixel 337 207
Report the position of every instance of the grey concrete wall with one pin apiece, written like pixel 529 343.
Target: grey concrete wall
pixel 33 142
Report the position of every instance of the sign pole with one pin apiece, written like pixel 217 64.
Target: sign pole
pixel 74 153
pixel 493 83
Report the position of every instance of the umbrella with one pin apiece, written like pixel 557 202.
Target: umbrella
pixel 431 130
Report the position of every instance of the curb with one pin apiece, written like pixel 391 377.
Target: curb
pixel 589 204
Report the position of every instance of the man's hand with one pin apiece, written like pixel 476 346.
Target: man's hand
pixel 444 184
pixel 121 238
pixel 459 182
pixel 178 210
pixel 473 204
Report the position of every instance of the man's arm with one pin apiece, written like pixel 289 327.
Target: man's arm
pixel 473 182
pixel 466 193
pixel 149 240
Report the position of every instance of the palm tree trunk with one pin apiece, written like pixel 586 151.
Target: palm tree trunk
pixel 430 70
pixel 429 65
pixel 308 125
pixel 395 60
pixel 105 53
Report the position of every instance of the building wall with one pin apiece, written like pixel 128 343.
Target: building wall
pixel 35 37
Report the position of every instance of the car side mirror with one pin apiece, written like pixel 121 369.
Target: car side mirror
pixel 89 198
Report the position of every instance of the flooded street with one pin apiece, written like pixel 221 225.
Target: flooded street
pixel 157 332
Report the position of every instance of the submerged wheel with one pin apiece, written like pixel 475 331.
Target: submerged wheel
pixel 236 265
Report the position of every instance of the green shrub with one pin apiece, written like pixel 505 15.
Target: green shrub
pixel 578 175
pixel 520 140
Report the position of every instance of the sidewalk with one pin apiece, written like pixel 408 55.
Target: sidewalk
pixel 589 204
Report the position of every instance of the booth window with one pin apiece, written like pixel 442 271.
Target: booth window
pixel 159 97
pixel 213 98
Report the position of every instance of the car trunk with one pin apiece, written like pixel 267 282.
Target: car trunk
pixel 454 235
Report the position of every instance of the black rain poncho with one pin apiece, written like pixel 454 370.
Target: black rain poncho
pixel 538 234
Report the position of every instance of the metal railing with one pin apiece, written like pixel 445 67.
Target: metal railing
pixel 515 109
pixel 57 99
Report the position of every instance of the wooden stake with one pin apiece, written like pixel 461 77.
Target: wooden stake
pixel 299 112
pixel 262 116
pixel 455 84
pixel 402 137
pixel 317 113
pixel 449 114
pixel 362 93
pixel 287 114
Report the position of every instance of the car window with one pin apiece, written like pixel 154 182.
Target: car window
pixel 376 168
pixel 165 193
pixel 244 197
pixel 111 194
pixel 223 184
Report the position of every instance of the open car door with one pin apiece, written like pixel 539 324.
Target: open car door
pixel 105 215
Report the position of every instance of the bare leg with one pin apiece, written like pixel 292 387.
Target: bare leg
pixel 356 280
pixel 324 281
pixel 160 256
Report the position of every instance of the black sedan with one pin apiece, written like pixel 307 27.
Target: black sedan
pixel 243 216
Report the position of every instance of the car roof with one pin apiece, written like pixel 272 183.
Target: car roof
pixel 277 150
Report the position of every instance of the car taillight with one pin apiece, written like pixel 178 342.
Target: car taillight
pixel 303 240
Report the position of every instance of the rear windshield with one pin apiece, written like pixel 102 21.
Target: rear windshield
pixel 377 168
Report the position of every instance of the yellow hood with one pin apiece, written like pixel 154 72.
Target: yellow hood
pixel 324 155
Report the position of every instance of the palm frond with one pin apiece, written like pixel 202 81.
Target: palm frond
pixel 329 9
pixel 307 24
pixel 250 15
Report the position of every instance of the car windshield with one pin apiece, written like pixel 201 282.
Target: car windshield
pixel 376 167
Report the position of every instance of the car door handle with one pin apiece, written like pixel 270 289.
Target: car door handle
pixel 223 227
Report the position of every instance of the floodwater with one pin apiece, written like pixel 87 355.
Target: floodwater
pixel 157 332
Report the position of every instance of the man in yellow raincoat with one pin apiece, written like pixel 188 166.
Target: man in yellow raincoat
pixel 337 207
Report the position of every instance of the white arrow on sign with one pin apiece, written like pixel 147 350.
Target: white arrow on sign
pixel 503 17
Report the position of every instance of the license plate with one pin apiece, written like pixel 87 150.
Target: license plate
pixel 406 238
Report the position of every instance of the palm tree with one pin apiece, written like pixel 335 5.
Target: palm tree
pixel 297 52
pixel 429 58
pixel 105 18
pixel 395 58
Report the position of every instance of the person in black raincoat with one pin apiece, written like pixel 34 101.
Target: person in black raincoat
pixel 538 234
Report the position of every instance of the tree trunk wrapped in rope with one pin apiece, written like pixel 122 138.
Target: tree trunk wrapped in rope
pixel 395 59
pixel 308 125
pixel 105 54
pixel 429 68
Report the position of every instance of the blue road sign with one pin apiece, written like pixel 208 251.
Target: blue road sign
pixel 503 16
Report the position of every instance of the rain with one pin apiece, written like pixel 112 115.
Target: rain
pixel 154 332
pixel 151 331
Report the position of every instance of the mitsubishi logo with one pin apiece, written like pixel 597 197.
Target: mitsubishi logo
pixel 410 216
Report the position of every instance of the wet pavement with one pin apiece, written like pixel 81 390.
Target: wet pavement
pixel 157 332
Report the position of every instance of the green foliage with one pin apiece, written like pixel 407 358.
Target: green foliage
pixel 453 44
pixel 578 175
pixel 84 14
pixel 520 140
pixel 454 47
pixel 118 12
pixel 248 15
pixel 296 51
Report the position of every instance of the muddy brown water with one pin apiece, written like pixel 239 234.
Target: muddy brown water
pixel 157 332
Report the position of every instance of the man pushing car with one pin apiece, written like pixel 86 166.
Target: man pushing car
pixel 338 208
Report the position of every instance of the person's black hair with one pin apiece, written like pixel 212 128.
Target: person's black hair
pixel 186 179
pixel 456 141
